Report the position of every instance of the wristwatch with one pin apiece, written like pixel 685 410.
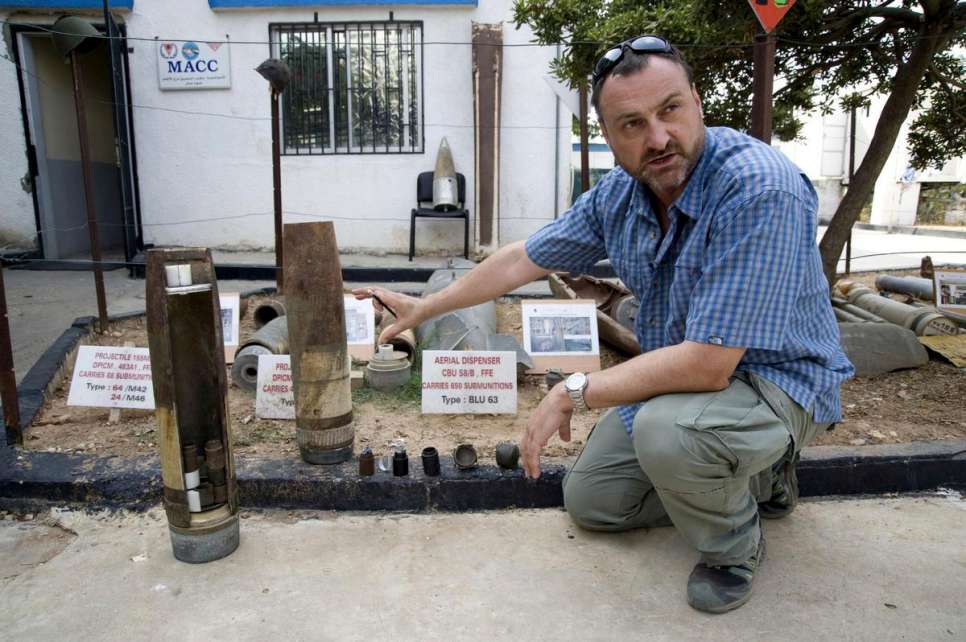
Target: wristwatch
pixel 575 385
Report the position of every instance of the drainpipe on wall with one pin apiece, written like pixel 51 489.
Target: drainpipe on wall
pixel 487 72
pixel 556 150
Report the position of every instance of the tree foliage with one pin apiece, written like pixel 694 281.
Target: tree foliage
pixel 830 55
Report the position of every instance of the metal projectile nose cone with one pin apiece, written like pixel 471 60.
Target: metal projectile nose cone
pixel 275 72
pixel 445 193
pixel 507 455
pixel 367 463
pixel 430 458
pixel 444 161
pixel 400 464
pixel 465 457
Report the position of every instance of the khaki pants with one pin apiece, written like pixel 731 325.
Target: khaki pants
pixel 700 461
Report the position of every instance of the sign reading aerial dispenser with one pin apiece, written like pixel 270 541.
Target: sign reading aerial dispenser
pixel 445 189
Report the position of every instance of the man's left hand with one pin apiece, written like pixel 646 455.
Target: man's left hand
pixel 551 416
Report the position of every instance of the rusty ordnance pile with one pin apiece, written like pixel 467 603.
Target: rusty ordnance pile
pixel 922 320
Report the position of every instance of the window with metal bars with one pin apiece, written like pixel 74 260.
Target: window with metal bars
pixel 356 88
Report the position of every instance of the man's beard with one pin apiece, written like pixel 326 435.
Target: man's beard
pixel 667 180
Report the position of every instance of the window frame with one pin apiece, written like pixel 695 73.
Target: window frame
pixel 327 30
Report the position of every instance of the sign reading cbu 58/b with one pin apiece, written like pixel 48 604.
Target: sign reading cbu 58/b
pixel 185 64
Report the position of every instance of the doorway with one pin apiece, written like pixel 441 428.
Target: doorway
pixel 50 122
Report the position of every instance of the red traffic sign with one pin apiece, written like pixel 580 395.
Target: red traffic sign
pixel 770 12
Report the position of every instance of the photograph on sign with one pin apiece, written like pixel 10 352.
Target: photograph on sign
pixel 230 304
pixel 469 382
pixel 186 64
pixel 112 377
pixel 560 329
pixel 360 321
pixel 951 291
pixel 274 396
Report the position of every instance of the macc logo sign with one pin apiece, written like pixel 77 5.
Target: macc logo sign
pixel 193 65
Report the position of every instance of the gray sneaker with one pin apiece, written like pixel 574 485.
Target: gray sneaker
pixel 784 489
pixel 719 589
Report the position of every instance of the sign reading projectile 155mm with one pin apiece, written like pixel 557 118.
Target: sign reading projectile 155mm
pixel 479 382
pixel 185 64
pixel 770 12
pixel 112 377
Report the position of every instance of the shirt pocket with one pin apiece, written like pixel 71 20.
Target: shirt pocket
pixel 686 277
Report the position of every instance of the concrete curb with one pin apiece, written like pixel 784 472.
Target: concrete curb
pixel 911 229
pixel 29 478
pixel 37 478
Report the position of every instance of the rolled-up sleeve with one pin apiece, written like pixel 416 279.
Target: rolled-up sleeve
pixel 574 242
pixel 745 294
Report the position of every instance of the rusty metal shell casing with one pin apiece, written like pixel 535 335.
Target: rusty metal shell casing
pixel 465 457
pixel 507 455
pixel 367 463
pixel 190 393
pixel 430 457
pixel 317 343
pixel 266 312
pixel 271 338
pixel 388 369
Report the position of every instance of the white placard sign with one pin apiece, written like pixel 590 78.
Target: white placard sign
pixel 560 329
pixel 951 291
pixel 480 382
pixel 360 321
pixel 112 377
pixel 188 64
pixel 274 397
pixel 230 305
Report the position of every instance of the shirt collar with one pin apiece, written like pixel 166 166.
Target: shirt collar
pixel 691 200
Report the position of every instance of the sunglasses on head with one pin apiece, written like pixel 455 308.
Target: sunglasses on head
pixel 639 44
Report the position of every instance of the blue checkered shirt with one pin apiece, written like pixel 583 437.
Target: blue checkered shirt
pixel 738 266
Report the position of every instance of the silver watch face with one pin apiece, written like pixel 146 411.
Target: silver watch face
pixel 576 382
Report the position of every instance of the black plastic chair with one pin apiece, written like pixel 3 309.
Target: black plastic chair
pixel 424 194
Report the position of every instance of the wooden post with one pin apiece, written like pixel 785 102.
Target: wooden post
pixel 317 343
pixel 764 57
pixel 89 190
pixel 8 378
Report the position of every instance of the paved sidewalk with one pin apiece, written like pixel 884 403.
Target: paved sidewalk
pixel 873 569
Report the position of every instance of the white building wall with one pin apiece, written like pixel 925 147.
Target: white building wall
pixel 822 151
pixel 207 180
pixel 18 229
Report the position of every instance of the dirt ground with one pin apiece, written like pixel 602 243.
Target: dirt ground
pixel 898 407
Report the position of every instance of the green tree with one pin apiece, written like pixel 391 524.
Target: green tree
pixel 830 54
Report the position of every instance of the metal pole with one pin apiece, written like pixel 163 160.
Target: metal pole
pixel 277 186
pixel 848 241
pixel 584 140
pixel 8 379
pixel 89 191
pixel 764 77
